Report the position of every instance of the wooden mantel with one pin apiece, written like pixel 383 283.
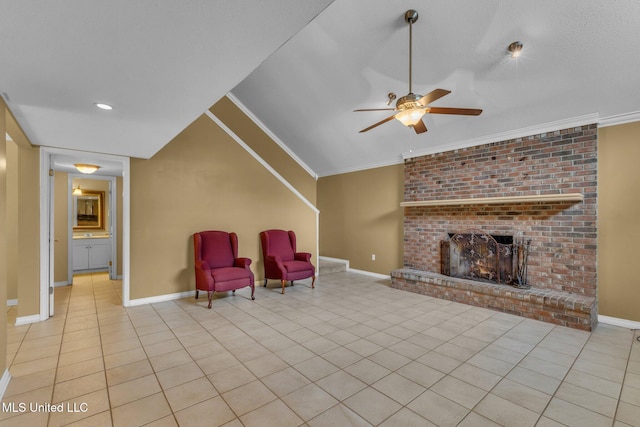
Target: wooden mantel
pixel 568 197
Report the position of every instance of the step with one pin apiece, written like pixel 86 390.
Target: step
pixel 329 266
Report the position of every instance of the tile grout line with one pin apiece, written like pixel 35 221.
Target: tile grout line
pixel 104 366
pixel 241 363
pixel 55 375
pixel 448 374
pixel 633 338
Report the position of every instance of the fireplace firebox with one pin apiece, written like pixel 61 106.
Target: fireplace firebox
pixel 483 257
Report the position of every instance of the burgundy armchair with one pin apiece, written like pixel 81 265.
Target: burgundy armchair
pixel 281 261
pixel 218 268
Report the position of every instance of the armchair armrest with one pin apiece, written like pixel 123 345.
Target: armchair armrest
pixel 302 256
pixel 273 258
pixel 202 265
pixel 242 263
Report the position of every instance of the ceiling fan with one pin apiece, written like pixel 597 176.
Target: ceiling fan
pixel 412 107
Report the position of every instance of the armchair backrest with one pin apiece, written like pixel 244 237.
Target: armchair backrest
pixel 278 242
pixel 217 248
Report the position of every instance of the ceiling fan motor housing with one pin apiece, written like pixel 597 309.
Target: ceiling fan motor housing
pixel 409 101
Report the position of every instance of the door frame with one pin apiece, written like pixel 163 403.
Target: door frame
pixel 46 217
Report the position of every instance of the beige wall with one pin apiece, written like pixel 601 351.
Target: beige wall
pixel 204 180
pixel 360 215
pixel 28 231
pixel 12 218
pixel 4 247
pixel 266 148
pixel 618 225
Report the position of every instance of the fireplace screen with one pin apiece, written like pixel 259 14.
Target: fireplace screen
pixel 480 256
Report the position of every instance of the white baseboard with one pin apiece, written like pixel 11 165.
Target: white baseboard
pixel 58 284
pixel 161 298
pixel 630 324
pixel 25 320
pixel 354 270
pixel 12 302
pixel 369 273
pixel 4 382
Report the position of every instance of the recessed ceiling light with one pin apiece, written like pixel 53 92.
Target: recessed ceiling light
pixel 103 106
pixel 516 49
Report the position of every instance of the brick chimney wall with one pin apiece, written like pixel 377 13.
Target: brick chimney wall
pixel 563 234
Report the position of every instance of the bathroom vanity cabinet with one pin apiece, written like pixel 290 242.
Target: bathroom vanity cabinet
pixel 91 253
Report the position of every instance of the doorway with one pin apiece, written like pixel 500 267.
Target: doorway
pixel 91 224
pixel 114 169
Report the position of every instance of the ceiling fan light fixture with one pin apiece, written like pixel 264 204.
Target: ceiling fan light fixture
pixel 410 116
pixel 86 168
pixel 516 49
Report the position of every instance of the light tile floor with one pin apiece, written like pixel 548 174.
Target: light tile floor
pixel 352 352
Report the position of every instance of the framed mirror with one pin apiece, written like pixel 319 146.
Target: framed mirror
pixel 88 210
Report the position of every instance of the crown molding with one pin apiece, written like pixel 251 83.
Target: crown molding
pixel 271 135
pixel 619 119
pixel 508 135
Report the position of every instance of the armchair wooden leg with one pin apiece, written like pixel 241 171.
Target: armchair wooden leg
pixel 265 283
pixel 283 283
pixel 209 294
pixel 197 293
pixel 253 290
pixel 313 282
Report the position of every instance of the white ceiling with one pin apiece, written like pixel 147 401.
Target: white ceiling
pixel 160 63
pixel 580 57
pixel 163 63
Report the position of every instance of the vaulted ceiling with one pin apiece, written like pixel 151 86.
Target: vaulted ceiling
pixel 301 68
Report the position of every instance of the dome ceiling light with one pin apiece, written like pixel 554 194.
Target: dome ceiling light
pixel 86 168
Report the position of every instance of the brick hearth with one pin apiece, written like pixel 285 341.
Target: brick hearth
pixel 562 308
pixel 562 262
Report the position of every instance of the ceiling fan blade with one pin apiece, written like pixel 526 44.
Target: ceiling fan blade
pixel 460 111
pixel 375 109
pixel 432 96
pixel 420 127
pixel 378 124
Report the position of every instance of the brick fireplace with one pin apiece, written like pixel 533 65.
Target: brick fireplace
pixel 563 231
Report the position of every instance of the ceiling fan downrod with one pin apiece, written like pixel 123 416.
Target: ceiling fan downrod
pixel 410 16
